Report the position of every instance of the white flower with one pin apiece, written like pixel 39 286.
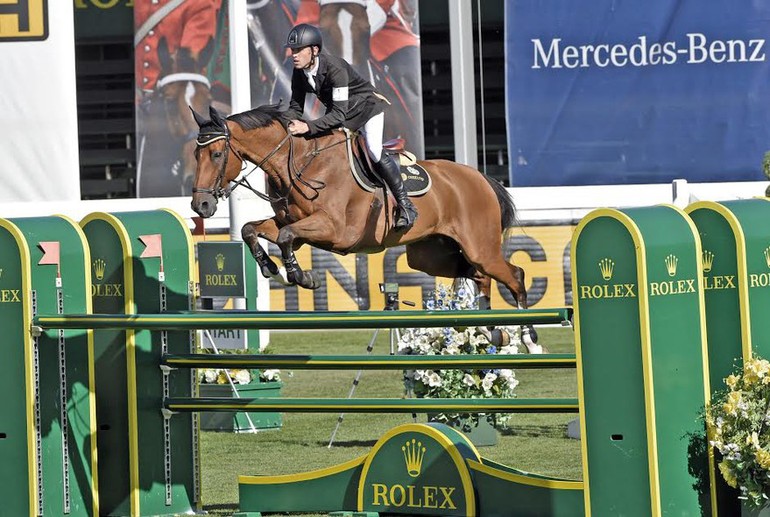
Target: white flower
pixel 241 377
pixel 403 346
pixel 210 376
pixel 451 341
pixel 434 379
pixel 509 349
pixel 452 349
pixel 478 339
pixel 270 375
pixel 488 381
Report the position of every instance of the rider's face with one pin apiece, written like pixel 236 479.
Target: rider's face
pixel 302 57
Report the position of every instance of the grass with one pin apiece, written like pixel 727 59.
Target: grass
pixel 535 443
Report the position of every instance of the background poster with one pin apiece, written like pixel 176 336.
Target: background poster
pixel 38 103
pixel 181 60
pixel 380 38
pixel 618 92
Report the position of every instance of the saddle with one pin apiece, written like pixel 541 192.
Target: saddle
pixel 416 179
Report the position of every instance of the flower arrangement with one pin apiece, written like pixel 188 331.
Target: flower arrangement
pixel 738 422
pixel 239 376
pixel 488 383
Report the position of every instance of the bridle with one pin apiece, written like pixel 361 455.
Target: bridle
pixel 218 191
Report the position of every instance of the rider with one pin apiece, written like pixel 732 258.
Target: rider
pixel 350 101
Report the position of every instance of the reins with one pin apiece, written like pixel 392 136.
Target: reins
pixel 293 173
pixel 205 139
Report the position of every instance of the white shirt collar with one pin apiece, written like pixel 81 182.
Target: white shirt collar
pixel 312 71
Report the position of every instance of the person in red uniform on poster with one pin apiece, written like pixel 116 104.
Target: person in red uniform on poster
pixel 391 54
pixel 396 48
pixel 173 42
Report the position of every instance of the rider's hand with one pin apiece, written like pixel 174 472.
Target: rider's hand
pixel 298 127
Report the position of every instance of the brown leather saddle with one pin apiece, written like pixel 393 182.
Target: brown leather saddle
pixel 416 179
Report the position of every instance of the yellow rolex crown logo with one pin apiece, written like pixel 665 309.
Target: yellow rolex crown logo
pixel 606 265
pixel 708 260
pixel 767 256
pixel 99 266
pixel 220 259
pixel 671 263
pixel 414 453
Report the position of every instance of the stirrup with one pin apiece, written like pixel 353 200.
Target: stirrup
pixel 405 218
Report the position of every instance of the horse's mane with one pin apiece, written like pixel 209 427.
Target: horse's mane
pixel 262 116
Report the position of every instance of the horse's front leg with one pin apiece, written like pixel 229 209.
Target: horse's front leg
pixel 318 228
pixel 268 229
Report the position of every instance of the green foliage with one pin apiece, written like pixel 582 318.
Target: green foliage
pixel 766 164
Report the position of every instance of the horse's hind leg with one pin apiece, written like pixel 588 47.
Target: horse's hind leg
pixel 490 262
pixel 484 285
pixel 531 333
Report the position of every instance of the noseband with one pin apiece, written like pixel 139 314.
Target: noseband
pixel 218 191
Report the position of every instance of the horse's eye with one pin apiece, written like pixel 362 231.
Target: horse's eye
pixel 216 154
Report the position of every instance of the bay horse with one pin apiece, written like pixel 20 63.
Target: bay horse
pixel 317 201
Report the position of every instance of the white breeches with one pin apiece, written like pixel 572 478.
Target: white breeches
pixel 372 132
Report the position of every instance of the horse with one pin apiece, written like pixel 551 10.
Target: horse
pixel 167 164
pixel 317 201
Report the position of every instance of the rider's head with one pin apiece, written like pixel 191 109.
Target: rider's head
pixel 305 42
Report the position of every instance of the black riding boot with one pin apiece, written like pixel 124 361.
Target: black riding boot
pixel 390 172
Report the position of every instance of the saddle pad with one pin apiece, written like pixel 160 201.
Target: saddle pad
pixel 416 179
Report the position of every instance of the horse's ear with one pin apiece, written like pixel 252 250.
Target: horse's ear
pixel 198 119
pixel 204 56
pixel 164 57
pixel 216 117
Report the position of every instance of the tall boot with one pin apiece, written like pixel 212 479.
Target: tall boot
pixel 390 172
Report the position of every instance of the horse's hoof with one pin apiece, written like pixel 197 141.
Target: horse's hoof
pixel 532 333
pixel 281 277
pixel 311 280
pixel 269 269
pixel 532 346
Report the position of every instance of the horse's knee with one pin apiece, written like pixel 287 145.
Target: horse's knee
pixel 285 240
pixel 248 233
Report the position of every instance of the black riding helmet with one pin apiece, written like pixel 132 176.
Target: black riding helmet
pixel 304 35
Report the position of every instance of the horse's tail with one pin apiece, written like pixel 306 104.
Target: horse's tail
pixel 507 209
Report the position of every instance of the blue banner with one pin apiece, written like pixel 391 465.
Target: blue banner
pixel 624 92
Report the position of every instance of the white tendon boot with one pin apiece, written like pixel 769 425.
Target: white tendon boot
pixel 532 347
